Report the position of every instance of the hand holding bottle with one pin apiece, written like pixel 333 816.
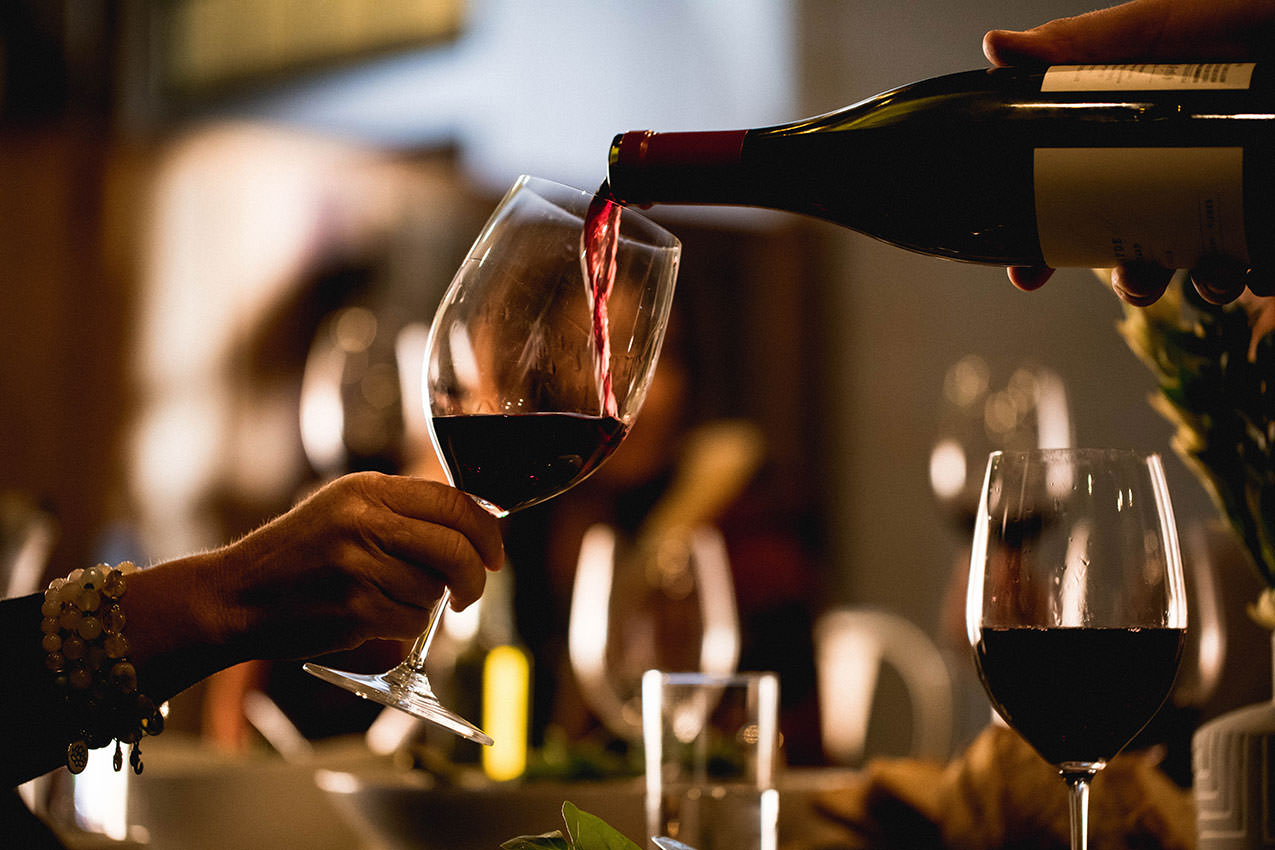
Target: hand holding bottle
pixel 1139 31
pixel 1024 167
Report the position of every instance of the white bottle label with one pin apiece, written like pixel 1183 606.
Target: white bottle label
pixel 1096 207
pixel 1201 76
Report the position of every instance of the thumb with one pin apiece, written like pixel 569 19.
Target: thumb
pixel 1141 30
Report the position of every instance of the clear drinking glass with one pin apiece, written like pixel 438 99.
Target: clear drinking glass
pixel 711 748
pixel 1076 608
pixel 539 358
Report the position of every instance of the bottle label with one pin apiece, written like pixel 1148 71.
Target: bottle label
pixel 1096 207
pixel 1199 76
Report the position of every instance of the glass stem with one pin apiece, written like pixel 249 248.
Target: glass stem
pixel 1078 804
pixel 415 659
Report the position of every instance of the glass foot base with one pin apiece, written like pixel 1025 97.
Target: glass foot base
pixel 405 690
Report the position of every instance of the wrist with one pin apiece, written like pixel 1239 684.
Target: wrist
pixel 180 628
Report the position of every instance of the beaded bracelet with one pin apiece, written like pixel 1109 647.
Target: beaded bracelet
pixel 83 630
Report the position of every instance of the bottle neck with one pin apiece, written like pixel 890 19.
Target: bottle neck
pixel 700 167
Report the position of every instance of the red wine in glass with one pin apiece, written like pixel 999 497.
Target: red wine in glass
pixel 1078 695
pixel 513 461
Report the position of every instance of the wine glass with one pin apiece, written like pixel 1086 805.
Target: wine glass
pixel 351 411
pixel 984 409
pixel 1077 607
pixel 663 602
pixel 539 358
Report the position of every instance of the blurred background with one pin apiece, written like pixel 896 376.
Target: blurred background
pixel 192 192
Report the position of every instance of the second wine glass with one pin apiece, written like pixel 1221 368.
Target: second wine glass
pixel 539 359
pixel 1076 607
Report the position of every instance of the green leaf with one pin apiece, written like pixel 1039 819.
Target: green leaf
pixel 548 841
pixel 590 832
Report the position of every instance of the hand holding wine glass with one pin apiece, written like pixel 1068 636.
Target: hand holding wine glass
pixel 539 358
pixel 1076 607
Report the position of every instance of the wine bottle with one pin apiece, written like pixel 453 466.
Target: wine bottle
pixel 491 680
pixel 1070 166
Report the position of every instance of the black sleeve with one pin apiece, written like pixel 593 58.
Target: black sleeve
pixel 31 706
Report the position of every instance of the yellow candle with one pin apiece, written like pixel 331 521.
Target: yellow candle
pixel 506 698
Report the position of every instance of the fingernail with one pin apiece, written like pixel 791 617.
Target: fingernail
pixel 1218 281
pixel 1216 293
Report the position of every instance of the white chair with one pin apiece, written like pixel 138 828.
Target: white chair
pixel 851 645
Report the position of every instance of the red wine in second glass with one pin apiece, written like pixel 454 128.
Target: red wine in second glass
pixel 1078 694
pixel 512 461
